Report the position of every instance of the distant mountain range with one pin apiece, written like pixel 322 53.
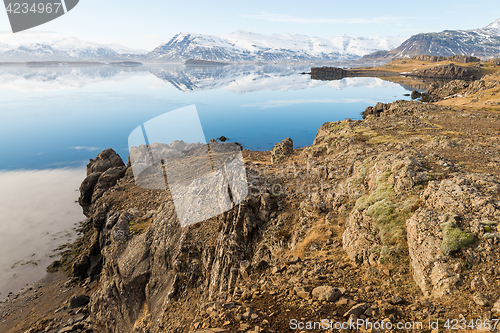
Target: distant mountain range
pixel 248 47
pixel 238 47
pixel 482 43
pixel 242 46
pixel 67 49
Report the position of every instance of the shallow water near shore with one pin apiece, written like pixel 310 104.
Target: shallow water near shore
pixel 38 214
pixel 55 119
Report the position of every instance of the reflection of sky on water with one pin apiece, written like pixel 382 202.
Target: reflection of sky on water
pixel 60 117
pixel 37 214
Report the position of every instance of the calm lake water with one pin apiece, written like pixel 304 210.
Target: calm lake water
pixel 54 119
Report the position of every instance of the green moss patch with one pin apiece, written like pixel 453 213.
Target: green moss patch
pixel 454 238
pixel 138 226
pixel 389 217
pixel 68 257
pixel 383 191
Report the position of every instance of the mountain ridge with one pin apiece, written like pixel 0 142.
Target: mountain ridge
pixel 481 42
pixel 66 49
pixel 243 46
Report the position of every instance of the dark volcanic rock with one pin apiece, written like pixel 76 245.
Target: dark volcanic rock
pixel 107 180
pixel 106 159
pixel 87 188
pixel 415 94
pixel 78 301
pixel 88 263
pixel 327 73
pixel 96 182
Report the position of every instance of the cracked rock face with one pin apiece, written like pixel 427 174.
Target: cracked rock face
pixel 468 200
pixel 361 238
pixel 160 265
pixel 102 173
pixel 431 270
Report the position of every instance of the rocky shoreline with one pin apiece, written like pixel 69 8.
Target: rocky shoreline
pixel 439 70
pixel 392 218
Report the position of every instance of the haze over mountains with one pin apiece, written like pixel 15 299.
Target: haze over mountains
pixel 240 46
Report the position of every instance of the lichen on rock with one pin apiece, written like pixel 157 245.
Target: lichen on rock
pixel 454 238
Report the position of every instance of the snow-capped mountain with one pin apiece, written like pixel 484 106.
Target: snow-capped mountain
pixel 242 46
pixel 66 49
pixel 237 47
pixel 483 43
pixel 361 46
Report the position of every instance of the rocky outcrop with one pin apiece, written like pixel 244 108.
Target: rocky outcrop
pixel 107 180
pixel 397 108
pixel 454 88
pixel 450 71
pixel 146 260
pixel 375 226
pixel 102 173
pixel 454 212
pixel 415 94
pixel 377 109
pixel 435 274
pixel 106 159
pixel 281 150
pixel 328 73
pixel 454 58
pixel 446 224
pixel 87 188
pixel 153 269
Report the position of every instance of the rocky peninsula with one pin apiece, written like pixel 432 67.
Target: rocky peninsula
pixel 393 218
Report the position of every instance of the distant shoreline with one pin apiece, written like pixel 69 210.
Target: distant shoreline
pixel 63 63
pixel 56 63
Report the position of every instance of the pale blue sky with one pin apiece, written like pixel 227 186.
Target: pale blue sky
pixel 148 24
